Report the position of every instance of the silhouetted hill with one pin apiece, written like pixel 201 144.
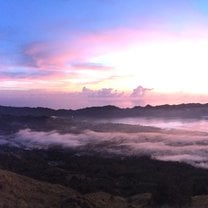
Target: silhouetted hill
pixel 190 110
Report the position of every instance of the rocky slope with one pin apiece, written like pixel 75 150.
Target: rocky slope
pixel 18 191
pixel 21 191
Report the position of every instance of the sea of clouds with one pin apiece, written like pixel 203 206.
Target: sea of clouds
pixel 188 145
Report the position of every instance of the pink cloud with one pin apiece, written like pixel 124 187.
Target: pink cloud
pixel 90 66
pixel 139 91
pixel 64 53
pixel 104 93
pixel 49 55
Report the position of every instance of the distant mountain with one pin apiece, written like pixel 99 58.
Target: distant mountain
pixel 190 110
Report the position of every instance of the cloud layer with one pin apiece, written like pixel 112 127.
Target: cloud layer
pixel 170 145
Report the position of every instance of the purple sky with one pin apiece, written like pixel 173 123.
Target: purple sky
pixel 73 53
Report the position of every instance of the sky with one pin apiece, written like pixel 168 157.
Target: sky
pixel 81 53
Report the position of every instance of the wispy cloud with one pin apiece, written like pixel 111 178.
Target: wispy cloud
pixel 90 66
pixel 18 73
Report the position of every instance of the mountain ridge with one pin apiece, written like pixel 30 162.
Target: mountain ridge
pixel 188 110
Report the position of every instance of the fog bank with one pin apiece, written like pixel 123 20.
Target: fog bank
pixel 174 145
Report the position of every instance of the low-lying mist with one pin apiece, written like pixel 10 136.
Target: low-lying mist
pixel 186 142
pixel 171 123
